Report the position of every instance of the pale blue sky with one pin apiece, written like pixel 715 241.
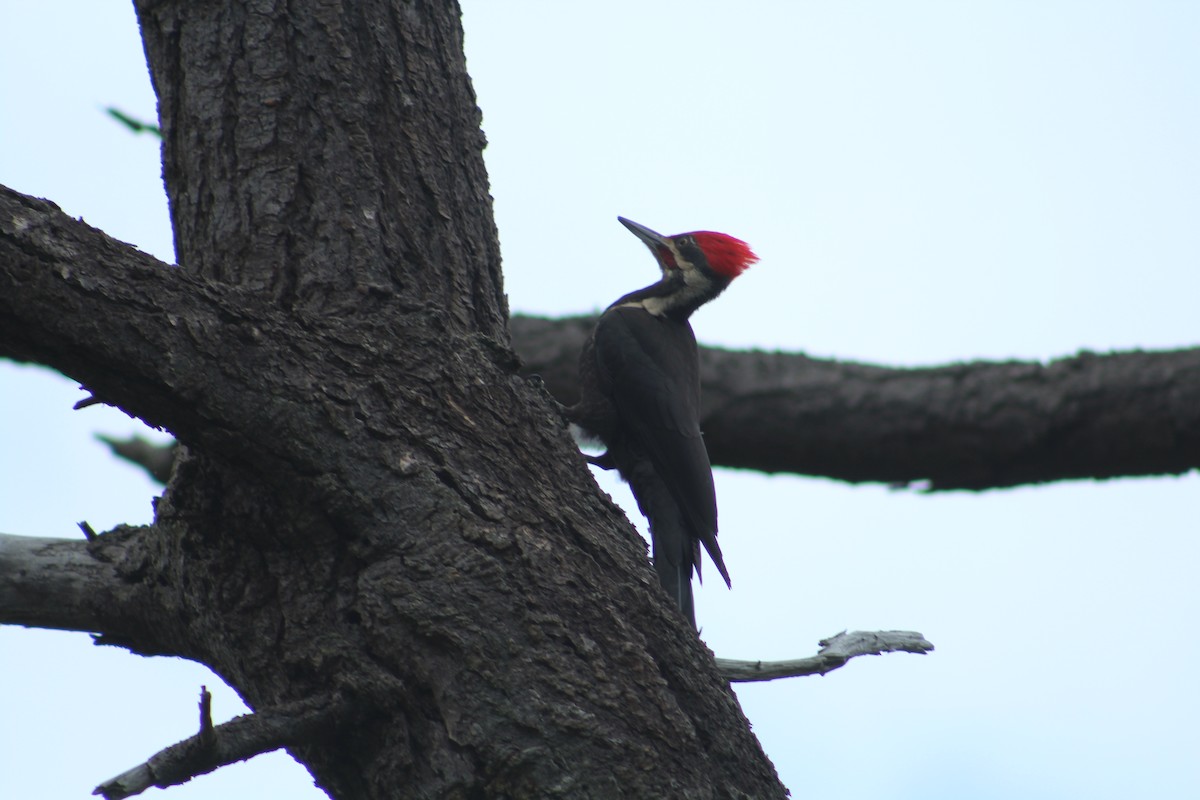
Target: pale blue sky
pixel 925 182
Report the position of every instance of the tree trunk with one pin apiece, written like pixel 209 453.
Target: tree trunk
pixel 374 506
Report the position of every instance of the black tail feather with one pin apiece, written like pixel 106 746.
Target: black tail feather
pixel 677 580
pixel 674 549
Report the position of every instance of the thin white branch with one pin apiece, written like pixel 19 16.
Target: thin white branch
pixel 835 652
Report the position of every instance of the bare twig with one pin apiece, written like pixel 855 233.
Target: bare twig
pixel 835 652
pixel 89 532
pixel 206 724
pixel 237 740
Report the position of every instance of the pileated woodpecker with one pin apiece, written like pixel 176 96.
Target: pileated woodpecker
pixel 639 377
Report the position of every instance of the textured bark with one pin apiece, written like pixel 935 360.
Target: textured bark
pixel 373 503
pixel 978 426
pixel 327 155
pixel 963 426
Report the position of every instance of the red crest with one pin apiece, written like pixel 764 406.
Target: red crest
pixel 726 255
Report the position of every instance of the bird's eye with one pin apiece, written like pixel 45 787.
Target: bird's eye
pixel 685 240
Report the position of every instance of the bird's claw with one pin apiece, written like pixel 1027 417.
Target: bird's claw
pixel 603 461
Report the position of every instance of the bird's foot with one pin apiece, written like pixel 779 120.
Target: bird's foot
pixel 603 461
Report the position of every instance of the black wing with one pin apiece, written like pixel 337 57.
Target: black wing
pixel 649 367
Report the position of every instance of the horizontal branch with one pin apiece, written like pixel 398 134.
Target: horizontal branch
pixel 963 426
pixel 835 652
pixel 977 425
pixel 75 585
pixel 236 740
pixel 54 583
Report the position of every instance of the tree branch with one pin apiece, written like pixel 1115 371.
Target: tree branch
pixel 156 341
pixel 236 740
pixel 73 585
pixel 963 426
pixel 106 314
pixel 835 652
pixel 54 583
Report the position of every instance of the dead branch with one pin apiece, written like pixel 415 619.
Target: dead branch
pixel 835 652
pixel 216 746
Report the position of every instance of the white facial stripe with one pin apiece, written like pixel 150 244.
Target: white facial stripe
pixel 659 306
pixel 684 266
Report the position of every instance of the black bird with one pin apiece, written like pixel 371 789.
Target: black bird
pixel 639 378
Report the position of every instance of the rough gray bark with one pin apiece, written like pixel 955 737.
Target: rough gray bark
pixel 962 426
pixel 350 519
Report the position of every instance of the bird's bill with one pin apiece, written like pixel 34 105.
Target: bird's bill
pixel 652 239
